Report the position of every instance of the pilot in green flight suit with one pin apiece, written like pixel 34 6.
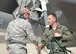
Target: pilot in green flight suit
pixel 56 36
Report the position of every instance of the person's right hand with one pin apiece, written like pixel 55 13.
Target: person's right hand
pixel 40 46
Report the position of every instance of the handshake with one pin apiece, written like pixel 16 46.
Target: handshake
pixel 40 46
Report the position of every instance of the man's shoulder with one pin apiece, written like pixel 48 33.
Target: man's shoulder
pixel 14 21
pixel 11 22
pixel 23 22
pixel 61 25
pixel 64 27
pixel 19 20
pixel 46 30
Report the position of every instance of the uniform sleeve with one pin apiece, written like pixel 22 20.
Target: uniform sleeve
pixel 47 34
pixel 30 33
pixel 66 35
pixel 7 37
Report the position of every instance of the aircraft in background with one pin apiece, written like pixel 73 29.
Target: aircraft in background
pixel 64 9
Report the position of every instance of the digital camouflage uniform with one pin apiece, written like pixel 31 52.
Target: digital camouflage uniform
pixel 16 36
pixel 57 45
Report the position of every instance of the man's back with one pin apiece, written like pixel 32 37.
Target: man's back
pixel 16 30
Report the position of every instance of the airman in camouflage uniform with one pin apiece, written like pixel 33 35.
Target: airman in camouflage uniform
pixel 56 36
pixel 17 32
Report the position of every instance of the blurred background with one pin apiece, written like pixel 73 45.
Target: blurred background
pixel 65 10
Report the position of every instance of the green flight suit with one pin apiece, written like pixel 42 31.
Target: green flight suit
pixel 57 44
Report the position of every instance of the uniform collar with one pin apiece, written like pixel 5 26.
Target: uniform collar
pixel 58 26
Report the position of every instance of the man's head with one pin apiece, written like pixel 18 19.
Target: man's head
pixel 25 12
pixel 52 18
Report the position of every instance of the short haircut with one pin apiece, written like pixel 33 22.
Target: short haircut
pixel 53 14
